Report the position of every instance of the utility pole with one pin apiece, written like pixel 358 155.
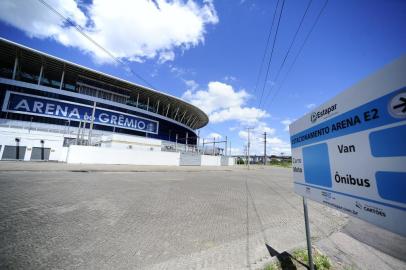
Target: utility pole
pixel 264 148
pixel 230 148
pixel 225 148
pixel 78 135
pixel 186 146
pixel 83 132
pixel 248 147
pixel 246 154
pixel 89 141
pixel 203 148
pixel 198 141
pixel 176 142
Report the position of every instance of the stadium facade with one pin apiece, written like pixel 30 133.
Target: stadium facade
pixel 45 97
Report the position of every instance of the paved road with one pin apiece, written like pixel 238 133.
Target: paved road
pixel 152 220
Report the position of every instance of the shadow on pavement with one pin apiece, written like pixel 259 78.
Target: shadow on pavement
pixel 287 261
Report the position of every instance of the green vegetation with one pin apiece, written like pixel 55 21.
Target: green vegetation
pixel 322 262
pixel 240 161
pixel 274 266
pixel 281 163
pixel 299 257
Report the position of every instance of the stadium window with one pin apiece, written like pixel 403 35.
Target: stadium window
pixel 6 67
pixel 51 77
pixel 28 71
pixel 69 82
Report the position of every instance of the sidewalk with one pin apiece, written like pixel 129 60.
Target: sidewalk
pixel 59 166
pixel 364 246
pixel 358 245
pixel 346 252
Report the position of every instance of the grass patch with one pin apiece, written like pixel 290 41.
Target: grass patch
pixel 322 262
pixel 281 163
pixel 299 257
pixel 274 266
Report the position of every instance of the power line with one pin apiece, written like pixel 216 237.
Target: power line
pixel 300 50
pixel 290 48
pixel 266 48
pixel 270 58
pixel 80 30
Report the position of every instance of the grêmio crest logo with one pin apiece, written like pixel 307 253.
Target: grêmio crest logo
pixel 325 112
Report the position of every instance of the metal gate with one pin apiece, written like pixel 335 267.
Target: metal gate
pixel 40 153
pixel 12 152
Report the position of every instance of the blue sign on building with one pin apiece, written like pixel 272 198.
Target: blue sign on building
pixel 53 108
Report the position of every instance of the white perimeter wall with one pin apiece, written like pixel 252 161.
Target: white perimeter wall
pixel 120 141
pixel 210 160
pixel 227 161
pixel 101 155
pixel 32 138
pixel 115 154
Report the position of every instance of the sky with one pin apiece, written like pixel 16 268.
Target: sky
pixel 214 53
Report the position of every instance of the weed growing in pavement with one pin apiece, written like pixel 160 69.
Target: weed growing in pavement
pixel 321 262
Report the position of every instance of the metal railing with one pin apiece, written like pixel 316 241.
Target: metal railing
pixel 169 146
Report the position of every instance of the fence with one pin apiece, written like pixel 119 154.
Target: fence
pixel 80 136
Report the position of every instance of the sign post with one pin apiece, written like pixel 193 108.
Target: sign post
pixel 350 153
pixel 308 237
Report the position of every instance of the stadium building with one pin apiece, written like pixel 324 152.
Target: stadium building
pixel 50 105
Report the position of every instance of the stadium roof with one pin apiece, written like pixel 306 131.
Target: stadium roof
pixel 170 106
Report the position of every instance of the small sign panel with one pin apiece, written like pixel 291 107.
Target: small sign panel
pixel 350 153
pixel 56 108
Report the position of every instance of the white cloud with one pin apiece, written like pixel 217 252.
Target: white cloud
pixel 230 78
pixel 217 96
pixel 214 135
pixel 286 123
pixel 222 103
pixel 133 30
pixel 166 56
pixel 310 106
pixel 243 114
pixel 181 72
pixel 191 84
pixel 278 147
pixel 236 151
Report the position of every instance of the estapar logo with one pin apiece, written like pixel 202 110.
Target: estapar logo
pixel 325 112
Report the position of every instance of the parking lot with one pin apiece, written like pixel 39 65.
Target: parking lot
pixel 170 219
pixel 118 217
